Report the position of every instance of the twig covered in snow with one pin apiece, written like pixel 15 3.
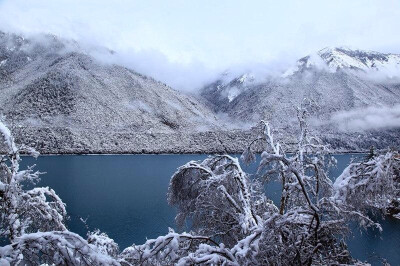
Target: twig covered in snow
pixel 56 247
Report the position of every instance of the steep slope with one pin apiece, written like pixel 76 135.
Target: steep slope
pixel 74 88
pixel 336 79
pixel 59 99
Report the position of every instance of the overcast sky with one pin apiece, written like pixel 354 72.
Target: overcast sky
pixel 184 43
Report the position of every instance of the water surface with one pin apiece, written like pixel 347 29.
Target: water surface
pixel 125 196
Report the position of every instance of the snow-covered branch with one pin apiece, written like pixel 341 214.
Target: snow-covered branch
pixel 372 184
pixel 53 248
pixel 218 197
pixel 25 211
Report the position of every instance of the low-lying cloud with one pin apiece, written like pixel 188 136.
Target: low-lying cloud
pixel 366 119
pixel 186 77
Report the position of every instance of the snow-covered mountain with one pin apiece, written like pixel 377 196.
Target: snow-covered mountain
pixel 334 59
pixel 58 98
pixel 226 89
pixel 337 79
pixel 371 68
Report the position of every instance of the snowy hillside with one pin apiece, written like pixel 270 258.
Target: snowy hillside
pixel 74 103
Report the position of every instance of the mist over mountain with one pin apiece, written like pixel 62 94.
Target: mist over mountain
pixel 78 103
pixel 186 44
pixel 75 103
pixel 337 80
pixel 332 75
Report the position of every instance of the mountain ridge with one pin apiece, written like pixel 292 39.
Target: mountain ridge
pixel 329 59
pixel 335 88
pixel 337 58
pixel 60 99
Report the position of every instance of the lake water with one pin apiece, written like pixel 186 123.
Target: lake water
pixel 125 196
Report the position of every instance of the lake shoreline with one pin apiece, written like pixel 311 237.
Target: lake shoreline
pixel 166 153
pixel 65 141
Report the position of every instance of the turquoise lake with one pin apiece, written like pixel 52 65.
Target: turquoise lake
pixel 125 196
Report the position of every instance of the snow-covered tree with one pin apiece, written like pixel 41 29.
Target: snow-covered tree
pixel 32 220
pixel 220 201
pixel 53 248
pixel 232 221
pixel 25 211
pixel 372 184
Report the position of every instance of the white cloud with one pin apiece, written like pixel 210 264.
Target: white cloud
pixel 184 42
pixel 371 118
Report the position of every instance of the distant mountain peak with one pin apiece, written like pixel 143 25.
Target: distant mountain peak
pixel 344 58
